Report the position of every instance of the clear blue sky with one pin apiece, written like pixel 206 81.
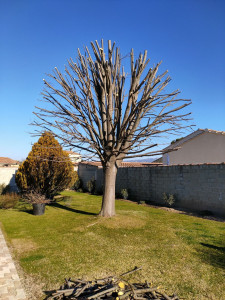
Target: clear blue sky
pixel 36 36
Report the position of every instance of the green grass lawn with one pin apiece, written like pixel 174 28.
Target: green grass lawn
pixel 180 253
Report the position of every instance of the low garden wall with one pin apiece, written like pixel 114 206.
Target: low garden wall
pixel 195 187
pixel 88 172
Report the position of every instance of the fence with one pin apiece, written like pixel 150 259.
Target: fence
pixel 195 187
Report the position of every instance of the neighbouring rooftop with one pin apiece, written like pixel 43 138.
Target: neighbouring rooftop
pixel 192 135
pixel 8 161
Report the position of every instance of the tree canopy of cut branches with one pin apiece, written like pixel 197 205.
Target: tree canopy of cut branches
pixel 99 109
pixel 47 170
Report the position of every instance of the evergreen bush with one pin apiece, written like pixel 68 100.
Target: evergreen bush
pixel 91 186
pixel 77 182
pixel 169 200
pixel 47 169
pixel 124 194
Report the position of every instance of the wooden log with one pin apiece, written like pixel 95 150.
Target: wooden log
pixel 81 290
pixel 143 291
pixel 104 292
pixel 164 295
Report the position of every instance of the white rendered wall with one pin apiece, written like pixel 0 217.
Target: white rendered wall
pixel 7 176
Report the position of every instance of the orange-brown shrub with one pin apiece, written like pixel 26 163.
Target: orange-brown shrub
pixel 47 169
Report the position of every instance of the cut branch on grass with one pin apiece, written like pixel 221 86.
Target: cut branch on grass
pixel 111 287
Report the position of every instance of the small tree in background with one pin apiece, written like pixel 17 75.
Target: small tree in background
pixel 47 169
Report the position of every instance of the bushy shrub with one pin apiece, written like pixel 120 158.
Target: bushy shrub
pixel 47 169
pixel 141 202
pixel 124 194
pixel 78 184
pixel 169 200
pixel 91 186
pixel 73 180
pixel 9 200
pixel 75 177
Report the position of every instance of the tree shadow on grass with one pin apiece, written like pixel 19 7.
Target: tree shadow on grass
pixel 27 210
pixel 213 255
pixel 25 207
pixel 57 205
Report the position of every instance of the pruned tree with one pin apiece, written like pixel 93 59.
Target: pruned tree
pixel 90 111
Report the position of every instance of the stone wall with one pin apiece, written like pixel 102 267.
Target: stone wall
pixel 7 176
pixel 87 172
pixel 195 187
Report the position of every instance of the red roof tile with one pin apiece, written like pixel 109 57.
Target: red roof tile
pixel 92 163
pixel 124 164
pixel 7 161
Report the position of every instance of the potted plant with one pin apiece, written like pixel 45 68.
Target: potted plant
pixel 38 202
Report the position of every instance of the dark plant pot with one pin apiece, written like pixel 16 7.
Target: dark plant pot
pixel 38 209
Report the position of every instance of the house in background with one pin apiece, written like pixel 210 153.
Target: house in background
pixel 201 146
pixel 75 158
pixel 8 169
pixel 8 162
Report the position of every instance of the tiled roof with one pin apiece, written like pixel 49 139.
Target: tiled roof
pixel 7 161
pixel 146 164
pixel 128 164
pixel 124 164
pixel 191 136
pixel 92 163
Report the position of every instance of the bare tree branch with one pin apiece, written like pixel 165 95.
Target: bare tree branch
pixel 88 109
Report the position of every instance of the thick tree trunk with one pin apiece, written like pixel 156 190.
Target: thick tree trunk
pixel 108 200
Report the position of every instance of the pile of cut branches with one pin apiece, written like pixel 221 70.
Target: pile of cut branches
pixel 111 287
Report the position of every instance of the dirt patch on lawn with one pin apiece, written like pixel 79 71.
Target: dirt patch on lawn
pixel 23 245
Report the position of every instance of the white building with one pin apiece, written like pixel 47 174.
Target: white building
pixel 75 158
pixel 199 147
